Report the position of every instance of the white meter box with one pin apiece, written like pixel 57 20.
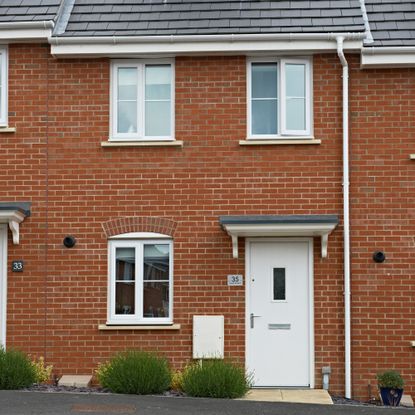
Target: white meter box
pixel 208 333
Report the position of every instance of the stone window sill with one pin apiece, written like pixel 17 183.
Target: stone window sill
pixel 412 156
pixel 289 141
pixel 175 143
pixel 7 130
pixel 107 327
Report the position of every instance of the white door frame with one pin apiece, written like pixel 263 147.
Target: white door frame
pixel 3 283
pixel 248 242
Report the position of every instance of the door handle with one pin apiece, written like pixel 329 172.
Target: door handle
pixel 251 317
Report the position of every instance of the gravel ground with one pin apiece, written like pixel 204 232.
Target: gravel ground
pixel 337 400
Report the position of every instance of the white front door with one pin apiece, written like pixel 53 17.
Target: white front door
pixel 279 323
pixel 3 282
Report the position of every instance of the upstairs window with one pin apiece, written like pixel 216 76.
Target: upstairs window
pixel 3 86
pixel 279 98
pixel 142 100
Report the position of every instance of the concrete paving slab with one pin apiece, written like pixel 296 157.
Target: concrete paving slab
pixel 407 401
pixel 79 381
pixel 313 396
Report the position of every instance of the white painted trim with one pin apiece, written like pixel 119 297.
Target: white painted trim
pixel 23 31
pixel 279 229
pixel 147 46
pixel 381 57
pixel 140 134
pixel 4 86
pixel 248 242
pixel 283 133
pixel 138 318
pixel 3 284
pixel 412 156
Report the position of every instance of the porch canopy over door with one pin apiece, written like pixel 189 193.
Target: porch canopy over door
pixel 279 225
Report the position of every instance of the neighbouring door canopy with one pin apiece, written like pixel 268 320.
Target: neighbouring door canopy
pixel 14 213
pixel 279 225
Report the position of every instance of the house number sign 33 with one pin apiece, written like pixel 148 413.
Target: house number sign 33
pixel 17 266
pixel 235 279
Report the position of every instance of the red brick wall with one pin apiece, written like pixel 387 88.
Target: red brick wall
pixel 210 176
pixel 382 218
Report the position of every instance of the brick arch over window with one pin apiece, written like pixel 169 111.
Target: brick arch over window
pixel 139 224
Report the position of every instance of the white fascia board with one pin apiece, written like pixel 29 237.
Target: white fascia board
pixel 194 45
pixel 280 229
pixel 383 57
pixel 24 31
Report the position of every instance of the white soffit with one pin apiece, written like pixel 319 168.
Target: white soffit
pixel 383 57
pixel 13 215
pixel 25 31
pixel 268 226
pixel 199 45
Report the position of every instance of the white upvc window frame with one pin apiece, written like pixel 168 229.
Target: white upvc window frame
pixel 137 318
pixel 140 134
pixel 283 132
pixel 4 86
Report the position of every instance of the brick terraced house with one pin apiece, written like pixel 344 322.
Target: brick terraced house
pixel 208 178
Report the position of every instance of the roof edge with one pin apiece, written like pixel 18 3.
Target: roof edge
pixel 55 40
pixel 383 57
pixel 26 31
pixel 175 45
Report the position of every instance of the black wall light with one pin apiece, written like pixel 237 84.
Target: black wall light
pixel 69 241
pixel 379 256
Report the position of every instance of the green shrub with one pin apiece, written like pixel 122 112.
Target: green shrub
pixel 43 373
pixel 215 379
pixel 135 372
pixel 16 370
pixel 390 379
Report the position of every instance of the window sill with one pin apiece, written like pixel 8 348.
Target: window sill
pixel 290 141
pixel 412 156
pixel 176 143
pixel 7 129
pixel 106 327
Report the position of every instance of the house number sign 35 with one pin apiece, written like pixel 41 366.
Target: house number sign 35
pixel 17 266
pixel 235 279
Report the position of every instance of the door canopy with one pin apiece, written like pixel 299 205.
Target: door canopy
pixel 14 213
pixel 279 225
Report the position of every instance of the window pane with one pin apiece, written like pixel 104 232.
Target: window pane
pixel 158 117
pixel 295 114
pixel 279 284
pixel 127 84
pixel 124 298
pixel 158 82
pixel 125 264
pixel 156 262
pixel 264 80
pixel 127 117
pixel 156 299
pixel 295 80
pixel 264 117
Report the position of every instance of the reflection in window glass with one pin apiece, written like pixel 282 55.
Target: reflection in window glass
pixel 295 85
pixel 279 284
pixel 157 100
pixel 127 100
pixel 264 98
pixel 125 281
pixel 156 280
